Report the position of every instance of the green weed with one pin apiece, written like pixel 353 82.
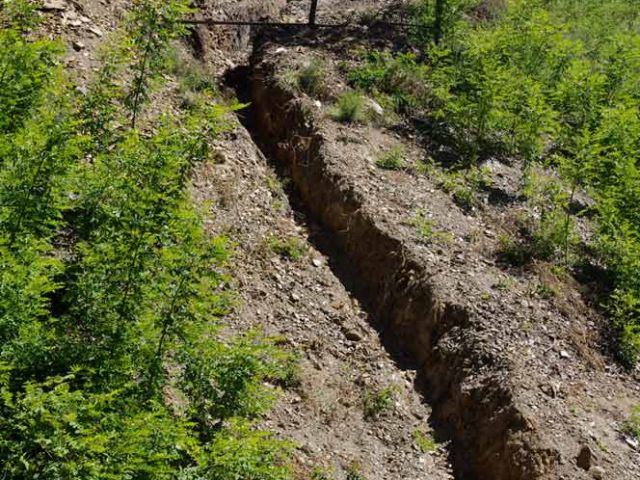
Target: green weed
pixel 354 472
pixel 319 473
pixel 392 160
pixel 504 285
pixel 377 402
pixel 424 441
pixel 427 231
pixel 350 107
pixel 290 248
pixel 631 426
pixel 546 291
pixel 514 251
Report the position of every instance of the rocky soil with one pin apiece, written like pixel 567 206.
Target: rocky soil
pixel 518 376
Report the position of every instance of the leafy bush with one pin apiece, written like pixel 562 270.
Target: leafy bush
pixel 27 66
pixel 111 292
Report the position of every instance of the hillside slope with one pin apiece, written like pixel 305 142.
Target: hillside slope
pixel 421 354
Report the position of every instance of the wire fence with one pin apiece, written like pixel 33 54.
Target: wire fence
pixel 312 22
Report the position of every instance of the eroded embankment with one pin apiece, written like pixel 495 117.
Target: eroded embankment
pixel 469 389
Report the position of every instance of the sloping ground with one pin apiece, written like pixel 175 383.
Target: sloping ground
pixel 303 301
pixel 517 379
pixel 330 414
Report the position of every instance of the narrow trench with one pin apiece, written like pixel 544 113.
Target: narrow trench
pixel 326 242
pixel 472 401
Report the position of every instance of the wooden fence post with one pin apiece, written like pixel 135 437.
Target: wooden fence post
pixel 312 13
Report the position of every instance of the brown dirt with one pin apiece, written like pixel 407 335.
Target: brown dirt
pixel 303 301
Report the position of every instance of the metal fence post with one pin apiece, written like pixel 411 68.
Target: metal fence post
pixel 312 13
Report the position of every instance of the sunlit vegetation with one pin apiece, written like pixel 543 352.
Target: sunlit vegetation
pixel 112 364
pixel 554 85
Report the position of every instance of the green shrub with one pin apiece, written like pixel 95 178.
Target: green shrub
pixel 377 402
pixel 577 68
pixel 28 66
pixel 111 290
pixel 350 107
pixel 392 159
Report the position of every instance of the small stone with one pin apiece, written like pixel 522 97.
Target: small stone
pixel 352 335
pixel 54 5
pixel 548 389
pixel 584 458
pixel 597 473
pixel 316 262
pixel 96 31
pixel 77 46
pixel 376 107
pixel 564 354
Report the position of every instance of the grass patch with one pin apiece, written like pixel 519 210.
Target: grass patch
pixel 192 75
pixel 350 107
pixel 377 402
pixel 392 160
pixel 424 441
pixel 290 248
pixel 312 78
